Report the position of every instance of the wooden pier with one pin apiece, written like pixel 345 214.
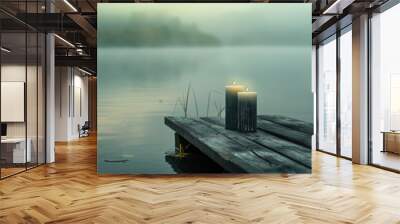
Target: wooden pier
pixel 280 144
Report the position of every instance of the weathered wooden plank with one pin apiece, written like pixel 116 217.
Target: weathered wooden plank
pixel 291 123
pixel 284 132
pixel 233 152
pixel 302 156
pixel 284 147
pixel 218 148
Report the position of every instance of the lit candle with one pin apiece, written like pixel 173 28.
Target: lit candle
pixel 231 105
pixel 247 111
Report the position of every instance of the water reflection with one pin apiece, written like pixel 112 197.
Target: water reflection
pixel 192 163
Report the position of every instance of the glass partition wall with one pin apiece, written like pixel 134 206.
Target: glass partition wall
pixel 334 106
pixel 345 91
pixel 22 98
pixel 385 90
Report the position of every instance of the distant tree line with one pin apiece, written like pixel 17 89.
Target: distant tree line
pixel 153 30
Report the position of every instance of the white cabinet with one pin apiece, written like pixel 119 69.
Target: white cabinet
pixel 19 155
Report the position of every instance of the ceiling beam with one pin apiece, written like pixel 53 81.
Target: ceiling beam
pixel 86 27
pixel 337 6
pixel 81 61
pixel 49 22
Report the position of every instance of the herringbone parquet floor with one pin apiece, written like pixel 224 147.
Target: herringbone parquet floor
pixel 70 191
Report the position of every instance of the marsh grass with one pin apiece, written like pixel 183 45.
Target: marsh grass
pixel 189 94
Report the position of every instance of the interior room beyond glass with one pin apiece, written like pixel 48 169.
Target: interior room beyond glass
pixel 22 88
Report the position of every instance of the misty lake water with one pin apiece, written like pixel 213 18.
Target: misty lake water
pixel 138 87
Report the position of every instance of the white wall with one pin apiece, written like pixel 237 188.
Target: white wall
pixel 80 109
pixel 13 101
pixel 62 83
pixel 13 72
pixel 71 87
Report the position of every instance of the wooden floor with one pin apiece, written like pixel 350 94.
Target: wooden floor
pixel 70 191
pixel 5 172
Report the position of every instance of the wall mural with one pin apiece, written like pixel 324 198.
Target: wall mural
pixel 204 88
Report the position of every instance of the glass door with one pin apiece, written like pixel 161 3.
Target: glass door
pixel 14 153
pixel 385 90
pixel 327 95
pixel 22 78
pixel 335 94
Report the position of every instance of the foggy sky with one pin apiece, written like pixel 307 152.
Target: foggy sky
pixel 232 24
